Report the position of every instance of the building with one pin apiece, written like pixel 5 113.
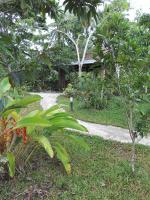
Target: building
pixel 88 65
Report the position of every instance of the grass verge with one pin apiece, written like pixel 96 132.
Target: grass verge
pixel 102 173
pixel 113 114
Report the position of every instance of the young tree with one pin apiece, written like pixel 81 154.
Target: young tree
pixel 134 76
pixel 123 47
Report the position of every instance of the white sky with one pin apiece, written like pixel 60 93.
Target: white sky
pixel 143 5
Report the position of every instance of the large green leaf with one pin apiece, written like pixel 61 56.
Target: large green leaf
pixel 44 113
pixel 60 115
pixel 33 113
pixel 35 121
pixel 63 156
pixel 6 113
pixel 4 86
pixel 24 101
pixel 21 103
pixel 44 142
pixel 66 123
pixel 11 163
pixel 52 110
pixel 57 121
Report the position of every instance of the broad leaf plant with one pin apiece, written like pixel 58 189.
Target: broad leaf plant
pixel 35 127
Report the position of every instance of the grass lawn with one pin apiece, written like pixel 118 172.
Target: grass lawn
pixel 114 114
pixel 101 173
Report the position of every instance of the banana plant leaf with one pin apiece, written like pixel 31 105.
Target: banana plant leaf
pixel 11 163
pixel 63 156
pixel 21 103
pixel 44 142
pixel 4 86
pixel 53 124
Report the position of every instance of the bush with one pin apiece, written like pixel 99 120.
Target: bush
pixel 91 91
pixel 69 91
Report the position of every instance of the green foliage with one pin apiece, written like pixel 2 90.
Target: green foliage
pixel 30 127
pixel 117 6
pixel 83 9
pixel 108 39
pixel 4 86
pixel 43 141
pixel 28 58
pixel 30 8
pixel 69 91
pixel 143 124
pixel 63 156
pixel 144 20
pixel 101 173
pixel 11 163
pixel 91 91
pixel 123 50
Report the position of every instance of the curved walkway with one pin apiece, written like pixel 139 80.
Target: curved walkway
pixel 105 131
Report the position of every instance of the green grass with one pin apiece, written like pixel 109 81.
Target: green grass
pixel 114 114
pixel 102 173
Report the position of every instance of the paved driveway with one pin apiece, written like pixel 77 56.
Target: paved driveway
pixel 105 131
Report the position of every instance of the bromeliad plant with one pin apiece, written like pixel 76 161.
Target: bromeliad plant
pixel 16 129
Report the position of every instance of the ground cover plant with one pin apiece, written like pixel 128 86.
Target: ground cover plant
pixel 102 173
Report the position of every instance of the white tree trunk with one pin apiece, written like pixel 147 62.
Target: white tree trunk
pixel 84 53
pixel 76 44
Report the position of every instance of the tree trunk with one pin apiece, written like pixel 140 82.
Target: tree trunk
pixel 146 89
pixel 80 61
pixel 102 93
pixel 133 137
pixel 133 157
pixel 80 70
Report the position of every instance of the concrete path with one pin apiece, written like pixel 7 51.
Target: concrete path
pixel 49 99
pixel 105 131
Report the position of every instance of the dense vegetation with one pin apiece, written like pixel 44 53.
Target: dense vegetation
pixel 39 43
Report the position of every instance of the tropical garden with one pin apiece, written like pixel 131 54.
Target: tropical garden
pixel 97 61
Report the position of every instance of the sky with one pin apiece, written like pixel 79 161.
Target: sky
pixel 144 5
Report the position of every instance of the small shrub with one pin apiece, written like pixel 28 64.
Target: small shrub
pixel 92 91
pixel 69 91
